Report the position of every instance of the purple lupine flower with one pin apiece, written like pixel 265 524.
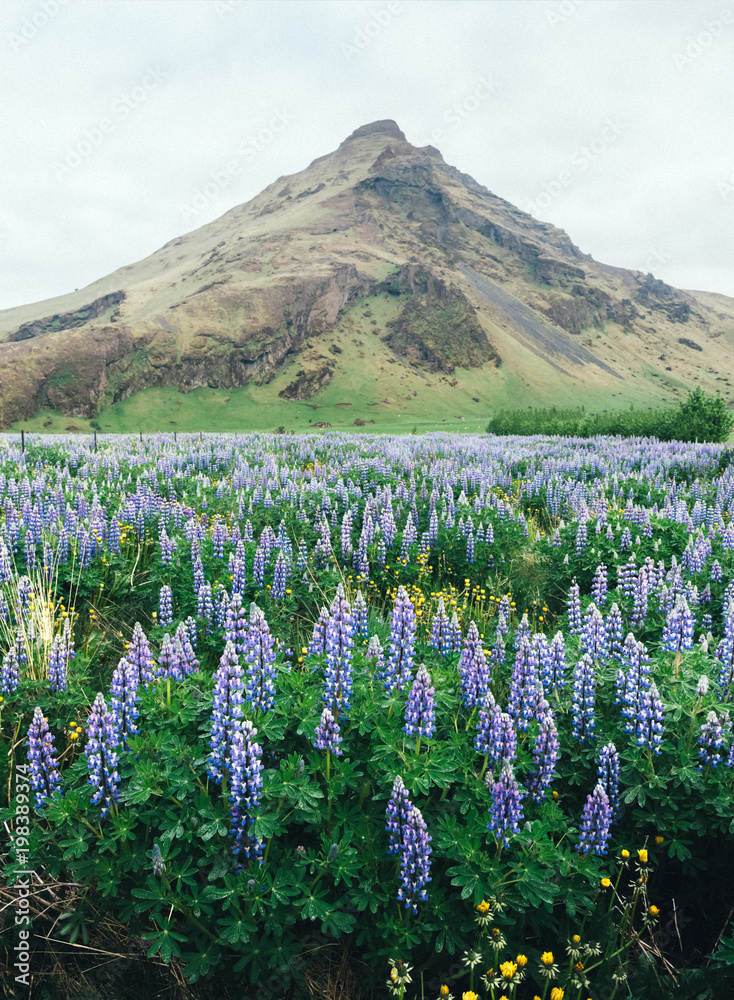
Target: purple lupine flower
pixel 258 567
pixel 502 742
pixel 506 812
pixel 582 700
pixel 415 863
pixel 420 709
pixel 226 712
pixel 573 609
pixel 123 700
pixel 101 751
pixel 184 650
pixel 546 751
pixel 522 684
pixel 44 768
pixel 523 631
pixel 553 669
pixel 205 605
pixel 140 656
pixel 614 629
pixel 608 767
pixel 245 792
pixel 339 646
pixel 724 656
pixel 326 735
pixel 302 557
pixel 600 585
pixel 10 673
pixel 678 630
pixel 169 663
pixel 650 720
pixel 711 740
pixel 317 646
pixel 473 668
pixel 498 653
pixel 260 654
pixel 594 636
pixel 455 629
pixel 636 682
pixel 399 664
pixel 360 617
pixel 488 725
pixel 398 807
pixel 280 577
pixel 441 638
pixel 57 665
pixel 596 821
pixel 581 537
pixel 165 607
pixel 375 655
pixel 236 624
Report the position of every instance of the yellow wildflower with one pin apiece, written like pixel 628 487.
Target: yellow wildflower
pixel 642 855
pixel 508 970
pixel 546 959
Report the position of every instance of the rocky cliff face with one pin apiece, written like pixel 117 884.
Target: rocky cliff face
pixel 466 281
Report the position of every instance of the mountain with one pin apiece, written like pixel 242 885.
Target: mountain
pixel 378 272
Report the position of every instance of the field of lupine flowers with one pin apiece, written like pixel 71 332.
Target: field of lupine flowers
pixel 349 716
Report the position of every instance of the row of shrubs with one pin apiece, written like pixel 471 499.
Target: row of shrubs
pixel 699 418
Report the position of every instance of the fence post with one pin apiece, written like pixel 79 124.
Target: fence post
pixel 22 441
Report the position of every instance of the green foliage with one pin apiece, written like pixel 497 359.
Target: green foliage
pixel 699 418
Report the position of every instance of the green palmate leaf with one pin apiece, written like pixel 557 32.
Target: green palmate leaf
pixel 336 922
pixel 200 964
pixel 368 895
pixel 213 827
pixel 75 846
pixel 164 942
pixel 314 905
pixel 236 930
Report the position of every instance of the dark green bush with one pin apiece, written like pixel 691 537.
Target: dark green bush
pixel 699 418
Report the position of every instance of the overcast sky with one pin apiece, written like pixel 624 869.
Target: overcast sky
pixel 118 119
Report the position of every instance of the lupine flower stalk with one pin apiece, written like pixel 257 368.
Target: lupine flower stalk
pixel 245 791
pixel 101 751
pixel 506 812
pixel 44 769
pixel 596 821
pixel 226 719
pixel 420 709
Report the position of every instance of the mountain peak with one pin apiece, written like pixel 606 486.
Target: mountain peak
pixel 386 127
